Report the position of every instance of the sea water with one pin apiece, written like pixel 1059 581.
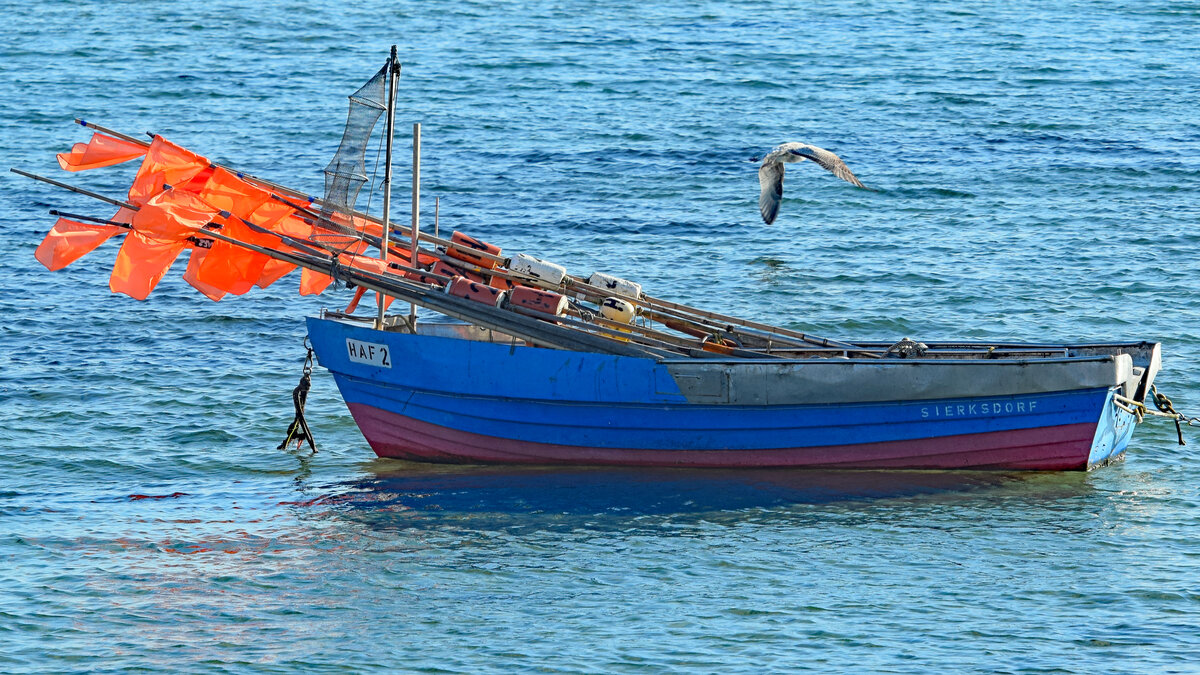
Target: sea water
pixel 1036 176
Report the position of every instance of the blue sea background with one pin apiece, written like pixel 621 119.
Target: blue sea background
pixel 1036 168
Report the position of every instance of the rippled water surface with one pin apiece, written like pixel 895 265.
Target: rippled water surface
pixel 1037 176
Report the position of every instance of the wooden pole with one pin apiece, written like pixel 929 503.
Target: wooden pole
pixel 283 189
pixel 72 188
pixel 712 318
pixel 393 76
pixel 109 132
pixel 539 331
pixel 307 254
pixel 415 236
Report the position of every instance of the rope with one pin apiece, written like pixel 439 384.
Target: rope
pixel 298 430
pixel 907 347
pixel 1165 409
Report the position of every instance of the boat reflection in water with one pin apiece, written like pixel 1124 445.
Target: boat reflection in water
pixel 405 491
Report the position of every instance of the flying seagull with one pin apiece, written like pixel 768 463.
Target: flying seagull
pixel 770 174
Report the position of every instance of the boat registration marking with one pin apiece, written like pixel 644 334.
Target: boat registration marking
pixel 369 353
pixel 980 409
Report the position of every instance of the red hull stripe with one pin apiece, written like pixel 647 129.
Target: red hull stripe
pixel 1045 448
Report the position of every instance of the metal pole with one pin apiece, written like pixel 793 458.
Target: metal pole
pixel 416 215
pixel 393 77
pixel 437 206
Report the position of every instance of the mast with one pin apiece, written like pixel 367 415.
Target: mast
pixel 416 215
pixel 393 78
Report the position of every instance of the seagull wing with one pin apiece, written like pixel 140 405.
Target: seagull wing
pixel 828 161
pixel 770 180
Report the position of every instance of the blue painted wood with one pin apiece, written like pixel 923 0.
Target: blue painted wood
pixel 453 366
pixel 693 426
pixel 583 399
pixel 1113 433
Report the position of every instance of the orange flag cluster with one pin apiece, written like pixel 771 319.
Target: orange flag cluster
pixel 179 197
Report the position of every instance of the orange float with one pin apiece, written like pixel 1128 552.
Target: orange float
pixel 473 243
pixel 423 278
pixel 474 290
pixel 448 270
pixel 502 283
pixel 546 302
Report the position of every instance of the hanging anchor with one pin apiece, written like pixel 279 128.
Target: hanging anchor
pixel 298 430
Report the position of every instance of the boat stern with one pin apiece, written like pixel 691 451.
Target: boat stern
pixel 1117 421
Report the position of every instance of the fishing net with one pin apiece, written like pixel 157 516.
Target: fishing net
pixel 347 172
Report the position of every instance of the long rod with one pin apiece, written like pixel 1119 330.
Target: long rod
pixel 648 301
pixel 285 190
pixel 578 285
pixel 415 237
pixel 659 344
pixel 89 219
pixel 527 328
pixel 660 339
pixel 240 174
pixel 714 316
pixel 387 170
pixel 72 188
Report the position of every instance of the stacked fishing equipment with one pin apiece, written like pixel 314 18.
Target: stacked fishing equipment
pixel 245 232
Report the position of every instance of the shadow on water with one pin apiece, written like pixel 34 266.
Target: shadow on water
pixel 429 489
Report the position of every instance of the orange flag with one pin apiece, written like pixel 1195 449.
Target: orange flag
pixel 354 301
pixel 230 267
pixel 193 267
pixel 69 241
pixel 273 271
pixel 224 191
pixel 172 216
pixel 98 152
pixel 278 217
pixel 374 266
pixel 141 263
pixel 165 163
pixel 196 183
pixel 313 283
pixel 160 232
pixel 123 215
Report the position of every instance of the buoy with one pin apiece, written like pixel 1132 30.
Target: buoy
pixel 475 290
pixel 616 285
pixel 446 270
pixel 422 278
pixel 616 309
pixel 537 268
pixel 546 302
pixel 502 283
pixel 467 256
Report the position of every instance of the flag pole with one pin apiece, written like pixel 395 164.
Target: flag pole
pixel 393 76
pixel 416 215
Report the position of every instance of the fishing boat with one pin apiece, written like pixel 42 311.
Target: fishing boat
pixel 530 364
pixel 460 393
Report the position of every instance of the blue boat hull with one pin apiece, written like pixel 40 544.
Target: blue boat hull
pixel 444 399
